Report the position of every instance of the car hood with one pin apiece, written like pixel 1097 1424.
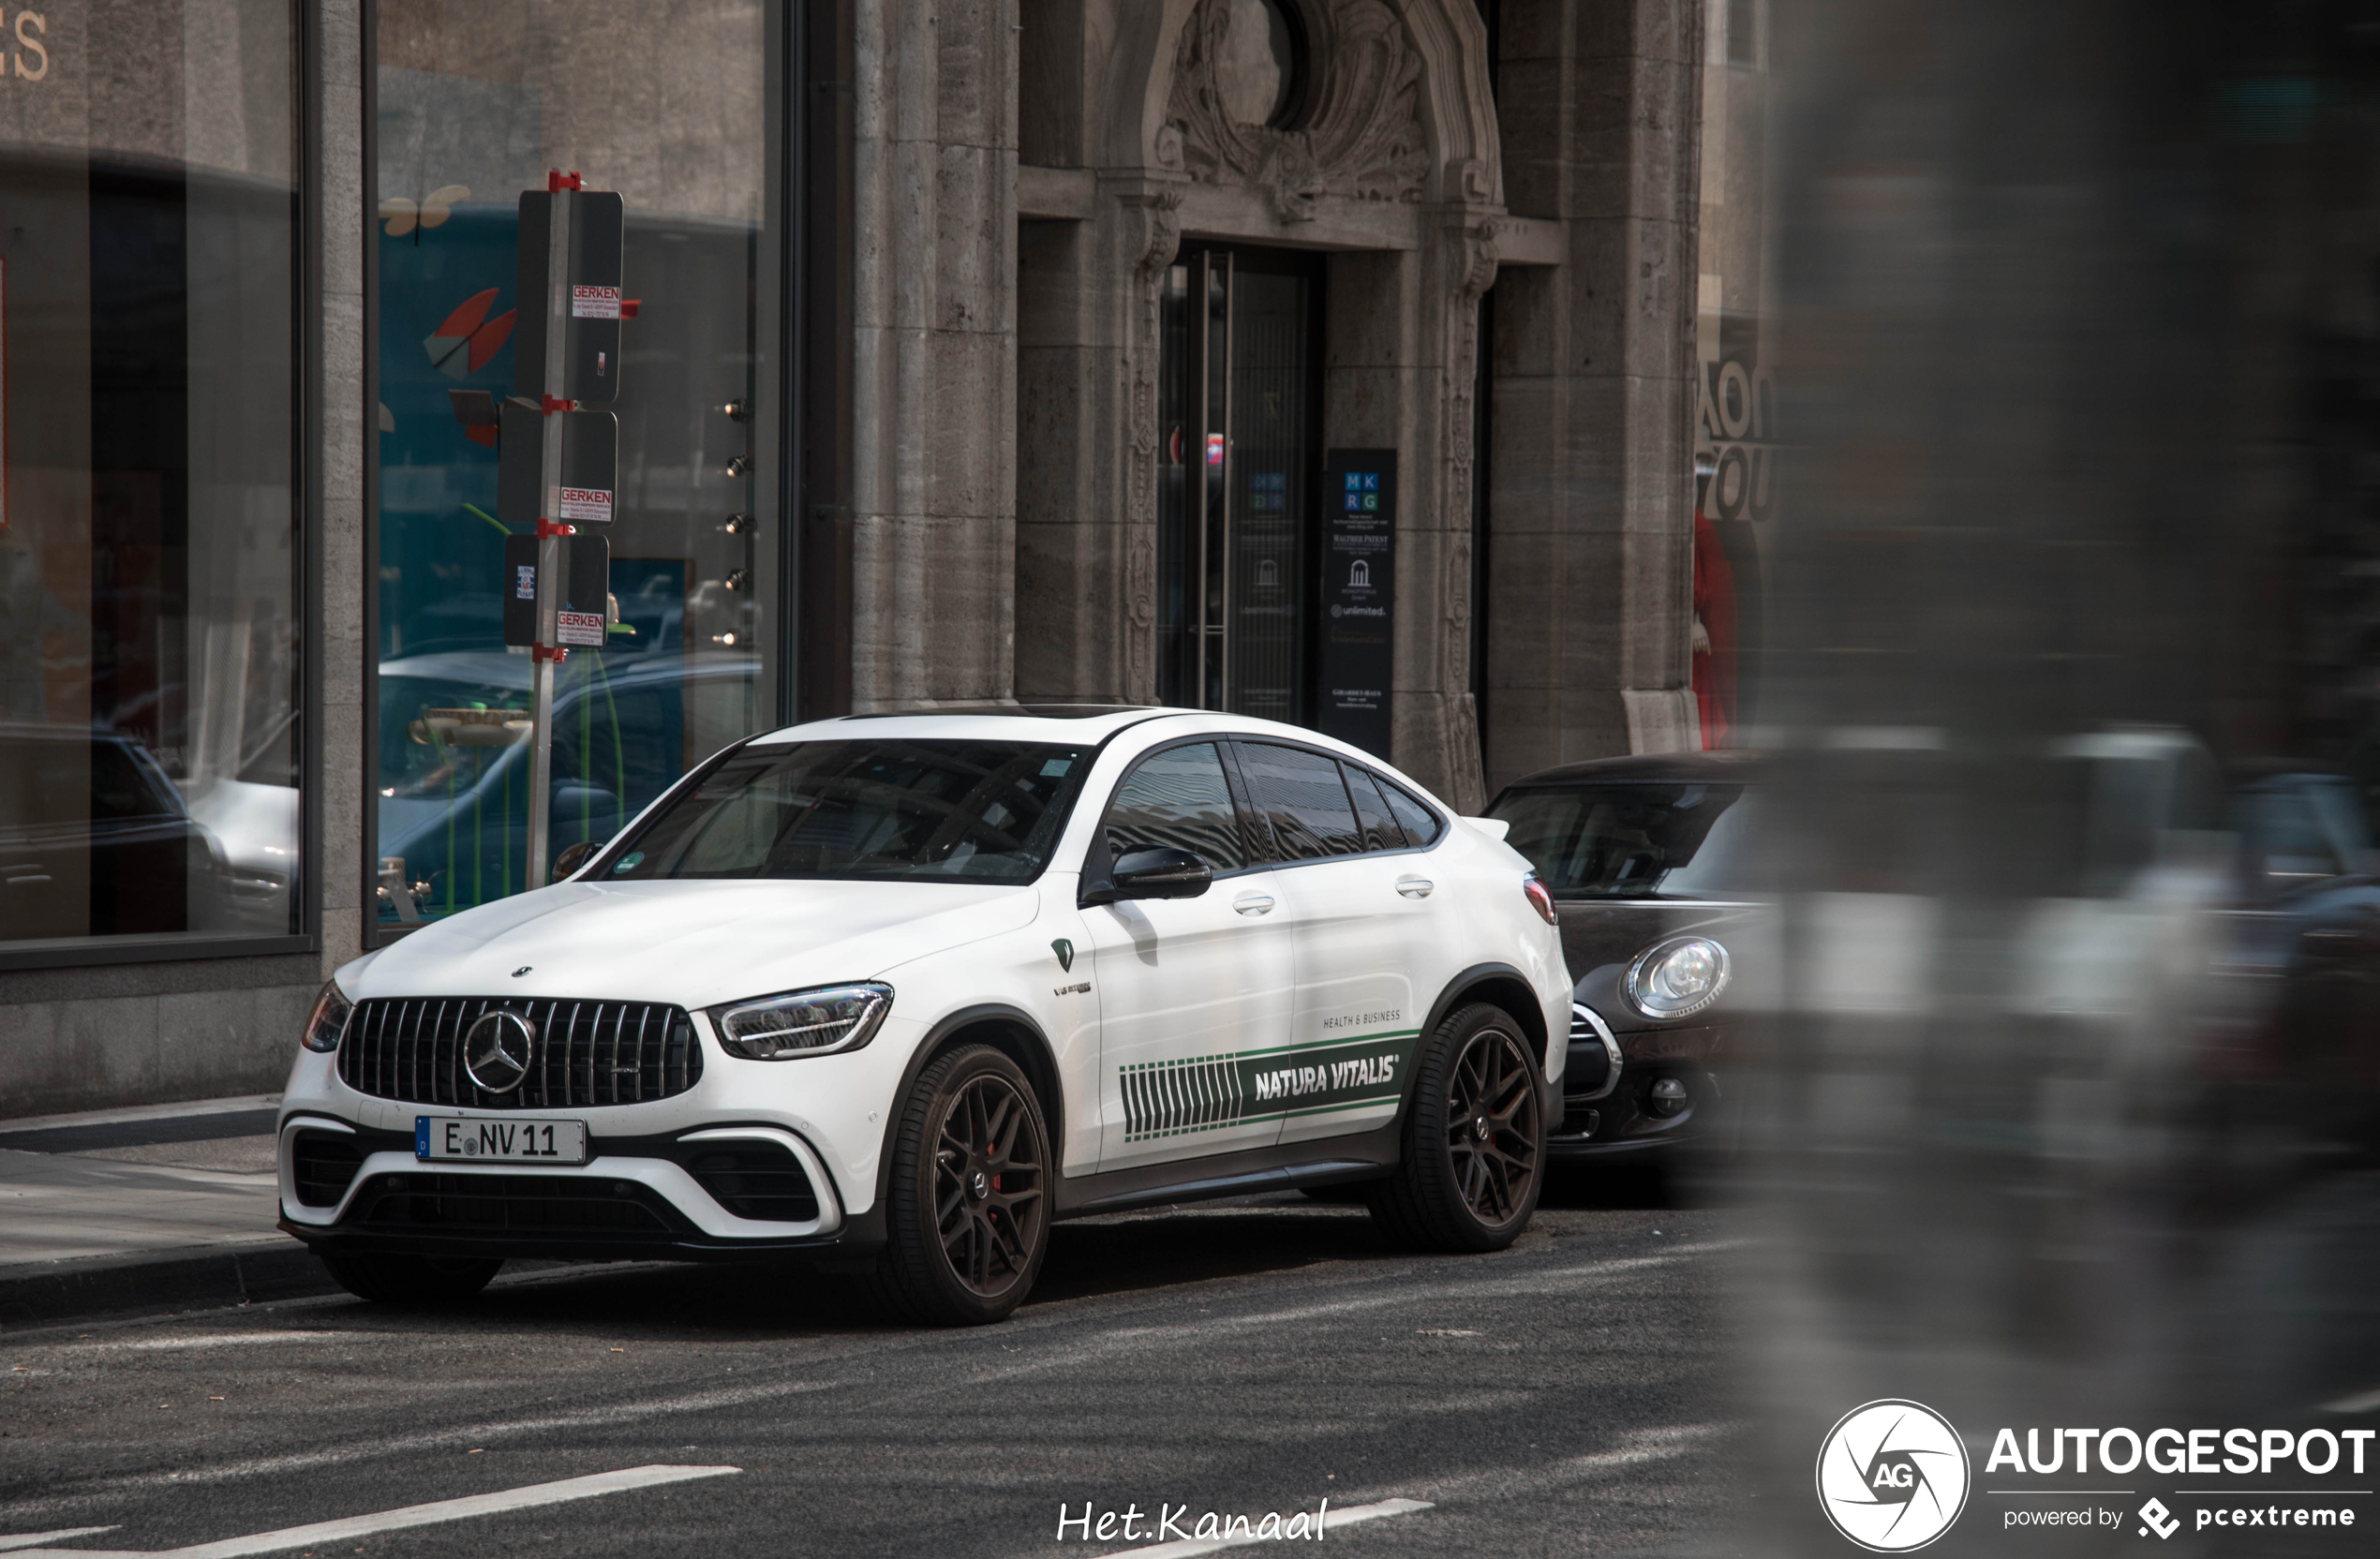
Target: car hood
pixel 690 942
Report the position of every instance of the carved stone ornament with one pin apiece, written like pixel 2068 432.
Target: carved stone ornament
pixel 1362 136
pixel 1159 237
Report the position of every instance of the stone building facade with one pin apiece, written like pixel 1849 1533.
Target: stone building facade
pixel 1025 189
pixel 989 351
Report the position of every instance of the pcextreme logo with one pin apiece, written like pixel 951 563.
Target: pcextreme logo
pixel 1892 1476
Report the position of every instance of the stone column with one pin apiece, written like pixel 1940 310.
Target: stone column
pixel 1590 562
pixel 1399 365
pixel 350 909
pixel 933 505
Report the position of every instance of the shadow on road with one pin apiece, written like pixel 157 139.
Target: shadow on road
pixel 1118 1253
pixel 1121 1256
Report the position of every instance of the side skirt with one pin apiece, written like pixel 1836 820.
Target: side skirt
pixel 1288 1166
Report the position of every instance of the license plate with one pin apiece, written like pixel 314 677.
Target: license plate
pixel 477 1140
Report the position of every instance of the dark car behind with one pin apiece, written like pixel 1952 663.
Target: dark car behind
pixel 1641 854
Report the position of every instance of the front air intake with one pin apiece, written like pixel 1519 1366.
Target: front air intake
pixel 754 1180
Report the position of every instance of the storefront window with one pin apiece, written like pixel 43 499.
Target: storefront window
pixel 149 634
pixel 672 108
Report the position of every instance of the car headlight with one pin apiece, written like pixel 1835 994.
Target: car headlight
pixel 328 1018
pixel 1678 978
pixel 802 1022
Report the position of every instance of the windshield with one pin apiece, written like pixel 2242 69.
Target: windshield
pixel 1626 840
pixel 968 811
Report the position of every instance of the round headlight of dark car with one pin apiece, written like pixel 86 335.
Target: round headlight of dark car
pixel 1678 978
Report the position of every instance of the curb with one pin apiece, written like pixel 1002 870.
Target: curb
pixel 182 1280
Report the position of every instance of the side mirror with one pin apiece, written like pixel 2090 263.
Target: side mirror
pixel 575 856
pixel 1157 871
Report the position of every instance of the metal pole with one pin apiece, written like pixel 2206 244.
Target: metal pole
pixel 549 545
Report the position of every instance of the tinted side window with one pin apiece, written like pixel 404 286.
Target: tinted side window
pixel 1179 798
pixel 122 787
pixel 1420 824
pixel 1302 793
pixel 1380 830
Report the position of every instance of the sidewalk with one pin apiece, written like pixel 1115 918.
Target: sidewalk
pixel 160 1208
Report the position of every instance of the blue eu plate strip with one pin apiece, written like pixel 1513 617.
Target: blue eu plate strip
pixel 420 1136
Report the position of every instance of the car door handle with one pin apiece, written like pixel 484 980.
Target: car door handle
pixel 1253 903
pixel 1415 887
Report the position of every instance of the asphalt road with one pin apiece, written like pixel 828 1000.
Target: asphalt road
pixel 1245 1357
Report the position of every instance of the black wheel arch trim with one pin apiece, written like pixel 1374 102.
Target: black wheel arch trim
pixel 1039 1064
pixel 1532 1021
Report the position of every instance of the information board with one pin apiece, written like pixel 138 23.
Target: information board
pixel 586 589
pixel 1359 596
pixel 591 355
pixel 590 467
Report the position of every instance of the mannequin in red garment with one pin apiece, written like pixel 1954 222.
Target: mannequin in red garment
pixel 1714 636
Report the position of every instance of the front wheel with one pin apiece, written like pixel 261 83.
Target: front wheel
pixel 968 1212
pixel 1474 1151
pixel 410 1280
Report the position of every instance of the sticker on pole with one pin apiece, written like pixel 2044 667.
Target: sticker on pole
pixel 579 628
pixel 594 504
pixel 594 303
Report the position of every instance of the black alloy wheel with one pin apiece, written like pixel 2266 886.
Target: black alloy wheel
pixel 969 1210
pixel 1474 1148
pixel 410 1280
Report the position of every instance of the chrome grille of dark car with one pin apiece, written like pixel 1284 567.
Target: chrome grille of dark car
pixel 588 1053
pixel 1581 1031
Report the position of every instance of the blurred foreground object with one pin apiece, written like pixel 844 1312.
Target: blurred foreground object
pixel 2063 1108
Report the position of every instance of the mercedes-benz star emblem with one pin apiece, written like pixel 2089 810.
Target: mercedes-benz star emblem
pixel 497 1050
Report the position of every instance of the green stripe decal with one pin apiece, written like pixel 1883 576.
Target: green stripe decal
pixel 1204 1093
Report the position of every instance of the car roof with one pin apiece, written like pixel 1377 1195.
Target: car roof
pixel 1067 724
pixel 497 668
pixel 37 730
pixel 1728 767
pixel 1071 724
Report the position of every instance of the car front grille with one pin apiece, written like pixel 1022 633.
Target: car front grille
pixel 586 1053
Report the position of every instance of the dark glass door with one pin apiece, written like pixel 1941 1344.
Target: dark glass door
pixel 1239 402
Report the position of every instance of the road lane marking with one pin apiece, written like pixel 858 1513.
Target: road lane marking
pixel 396 1445
pixel 226 1340
pixel 30 1539
pixel 1636 1449
pixel 412 1515
pixel 1184 1548
pixel 2362 1401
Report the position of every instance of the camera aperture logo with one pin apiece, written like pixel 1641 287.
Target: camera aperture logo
pixel 1892 1476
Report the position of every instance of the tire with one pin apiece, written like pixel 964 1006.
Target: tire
pixel 410 1280
pixel 1473 1156
pixel 968 1210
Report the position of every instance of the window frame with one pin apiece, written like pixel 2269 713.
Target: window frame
pixel 805 129
pixel 1262 852
pixel 1260 819
pixel 306 551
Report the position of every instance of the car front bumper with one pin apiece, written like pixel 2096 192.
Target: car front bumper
pixel 1664 1095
